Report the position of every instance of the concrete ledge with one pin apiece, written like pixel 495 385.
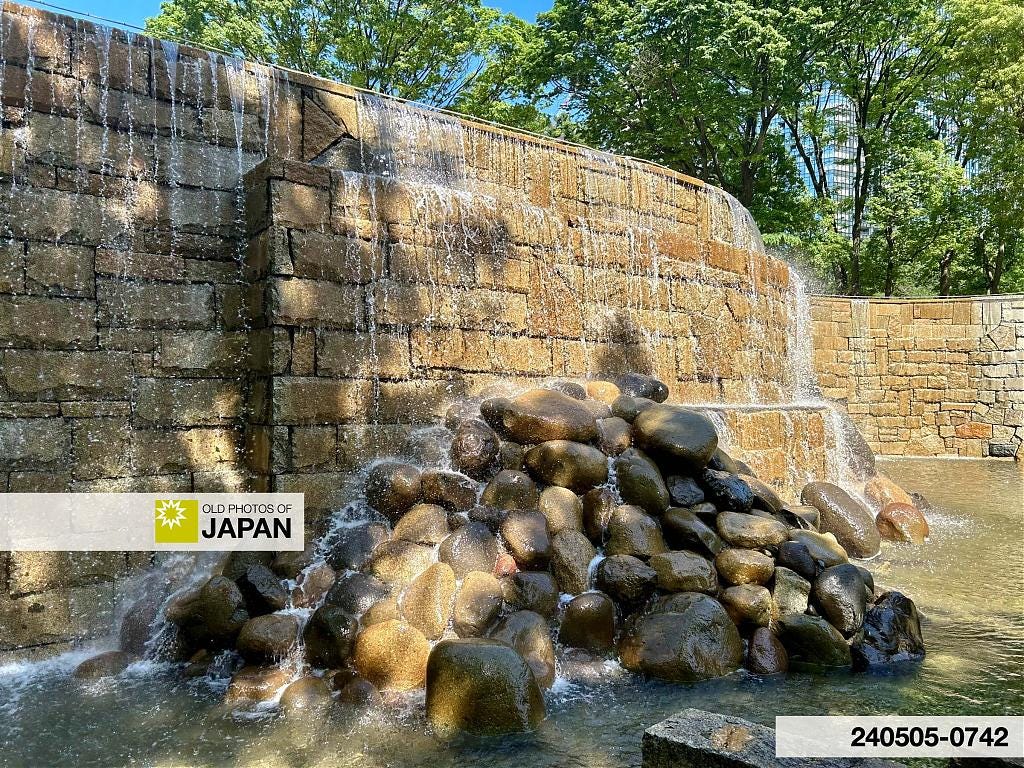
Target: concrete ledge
pixel 694 738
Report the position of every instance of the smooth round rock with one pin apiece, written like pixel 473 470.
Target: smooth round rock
pixel 841 597
pixel 880 491
pixel 744 566
pixel 350 547
pixel 397 563
pixel 603 391
pixel 268 638
pixel 902 522
pixel 670 432
pixel 892 633
pixel 481 686
pixel 493 411
pixel 360 693
pixel 105 664
pixel 684 572
pixel 823 547
pixel 356 592
pixel 588 622
pixel 795 556
pixel 684 491
pixel 383 610
pixel 562 509
pixel 328 636
pixel 392 487
pixel 571 555
pixel 642 385
pixel 627 579
pixel 750 531
pixel 598 507
pixel 568 388
pixel 684 530
pixel 568 464
pixel 631 531
pixel 313 585
pixel 527 632
pixel 640 482
pixel 471 548
pixel 392 655
pixel 698 644
pixel 306 693
pixel 765 654
pixel 512 456
pixel 210 616
pixel 477 604
pixel 813 642
pixel 510 489
pixel 475 447
pixel 791 593
pixel 765 496
pixel 422 524
pixel 844 517
pixel 427 602
pixel 526 538
pixel 543 414
pixel 628 408
pixel 256 684
pixel 801 516
pixel 614 435
pixel 728 491
pixel 452 490
pixel 748 604
pixel 534 591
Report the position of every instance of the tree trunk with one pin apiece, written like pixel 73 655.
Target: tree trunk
pixel 945 269
pixel 997 268
pixel 890 267
pixel 746 190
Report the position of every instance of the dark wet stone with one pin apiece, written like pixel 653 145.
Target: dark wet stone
pixel 802 516
pixel 790 592
pixel 262 590
pixel 684 530
pixel 526 538
pixel 685 491
pixel 238 563
pixel 360 693
pixel 268 638
pixel 892 633
pixel 489 516
pixel 748 604
pixel 512 456
pixel 640 482
pixel 288 565
pixel 841 597
pixel 765 496
pixel 588 621
pixel 631 531
pixel 471 548
pixel 641 385
pixel 527 632
pixel 684 572
pixel 727 491
pixel 599 505
pixel 105 664
pixel 511 490
pixel 392 487
pixel 350 547
pixel 765 654
pixel 614 435
pixel 211 616
pixel 477 604
pixel 569 389
pixel 721 461
pixel 562 509
pixel 137 624
pixel 328 636
pixel 627 579
pixel 628 408
pixel 475 448
pixel 678 602
pixel 355 593
pixel 452 490
pixel 812 641
pixel 844 517
pixel 542 414
pixel 572 554
pixel 672 434
pixel 824 548
pixel 493 411
pixel 568 464
pixel 531 591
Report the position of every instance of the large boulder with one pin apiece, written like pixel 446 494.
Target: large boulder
pixel 841 597
pixel 527 632
pixel 475 448
pixel 471 548
pixel 588 621
pixel 423 524
pixel 571 555
pixel 640 482
pixel 765 654
pixel 328 636
pixel 355 593
pixel 510 489
pixel 698 644
pixel 627 579
pixel 268 638
pixel 892 633
pixel 106 664
pixel 397 563
pixel 534 591
pixel 881 491
pixel 526 538
pixel 481 686
pixel 452 490
pixel 642 385
pixel 676 435
pixel 631 531
pixel 751 531
pixel 684 572
pixel 427 602
pixel 562 509
pixel 728 491
pixel 392 487
pixel 567 464
pixel 543 414
pixel 211 616
pixel 683 529
pixel 902 522
pixel 477 604
pixel 392 655
pixel 744 566
pixel 844 517
pixel 813 642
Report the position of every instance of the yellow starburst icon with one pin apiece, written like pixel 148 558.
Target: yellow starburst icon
pixel 176 521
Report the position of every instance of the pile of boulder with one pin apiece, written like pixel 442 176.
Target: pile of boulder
pixel 590 516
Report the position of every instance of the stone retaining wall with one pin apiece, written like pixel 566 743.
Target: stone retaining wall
pixel 926 377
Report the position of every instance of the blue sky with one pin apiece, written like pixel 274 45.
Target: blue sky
pixel 136 11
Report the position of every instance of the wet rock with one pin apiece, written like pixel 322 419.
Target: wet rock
pixel 256 684
pixel 268 638
pixel 568 388
pixel 721 461
pixel 744 566
pixel 603 391
pixel 699 644
pixel 812 641
pixel 392 655
pixel 791 593
pixel 541 415
pixel 684 491
pixel 892 633
pixel 137 624
pixel 422 524
pixel 633 532
pixel 489 516
pixel 531 591
pixel 512 456
pixel 861 457
pixel 475 448
pixel 383 610
pixel 568 464
pixel 902 522
pixel 571 555
pixel 352 546
pixel 477 604
pixel 262 590
pixel 360 693
pixel 707 512
pixel 670 433
pixel 880 491
pixel 641 385
pixel 598 410
pixel 750 531
pixel 306 693
pixel 392 487
pixel 627 579
pixel 471 548
pixel 427 602
pixel 845 517
pixel 493 412
pixel 640 482
pixel 765 496
pixel 526 538
pixel 614 435
pixel 107 664
pixel 801 516
pixel 237 563
pixel 328 636
pixel 527 632
pixel 562 509
pixel 459 412
pixel 683 529
pixel 481 686
pixel 765 654
pixel 288 565
pixel 748 604
pixel 511 490
pixel 452 490
pixel 678 602
pixel 505 565
pixel 397 563
pixel 356 592
pixel 727 491
pixel 628 408
pixel 211 616
pixel 598 507
pixel 823 547
pixel 588 621
pixel 841 597
pixel 684 572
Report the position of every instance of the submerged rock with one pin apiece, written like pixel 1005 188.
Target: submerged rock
pixel 845 517
pixel 392 655
pixel 306 693
pixel 256 684
pixel 105 664
pixel 567 464
pixel 812 641
pixel 542 414
pixel 902 522
pixel 588 622
pixel 892 633
pixel 671 433
pixel 481 686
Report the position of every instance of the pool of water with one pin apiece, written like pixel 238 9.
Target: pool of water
pixel 967 580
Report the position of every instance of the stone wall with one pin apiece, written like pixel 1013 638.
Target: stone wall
pixel 926 377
